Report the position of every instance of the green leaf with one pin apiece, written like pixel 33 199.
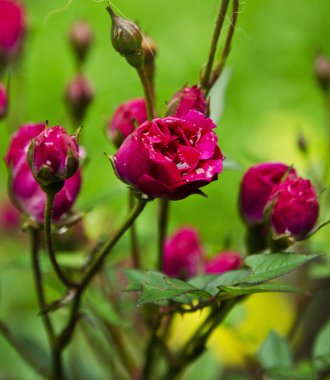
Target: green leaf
pixel 275 352
pixel 289 374
pixel 135 279
pixel 241 290
pixel 157 288
pixel 321 351
pixel 268 266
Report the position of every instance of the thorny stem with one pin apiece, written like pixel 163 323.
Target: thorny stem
pixel 67 333
pixel 214 43
pixel 162 229
pixel 147 88
pixel 133 235
pixel 48 241
pixel 226 50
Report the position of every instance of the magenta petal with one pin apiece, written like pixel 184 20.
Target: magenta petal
pixel 153 187
pixel 206 144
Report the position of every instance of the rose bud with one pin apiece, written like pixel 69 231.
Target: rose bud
pixel 182 253
pixel 3 102
pixel 170 158
pixel 256 187
pixel 122 122
pixel 322 71
pixel 295 208
pixel 53 156
pixel 79 95
pixel 187 99
pixel 126 38
pixel 12 30
pixel 223 262
pixel 81 38
pixel 25 192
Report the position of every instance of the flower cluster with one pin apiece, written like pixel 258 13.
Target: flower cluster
pixel 272 193
pixel 184 256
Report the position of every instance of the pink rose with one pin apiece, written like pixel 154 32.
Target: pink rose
pixel 3 101
pixel 187 99
pixel 182 253
pixel 122 122
pixel 296 207
pixel 223 262
pixel 170 158
pixel 25 191
pixel 12 30
pixel 53 156
pixel 9 217
pixel 256 187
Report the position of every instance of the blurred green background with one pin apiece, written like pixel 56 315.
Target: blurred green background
pixel 271 98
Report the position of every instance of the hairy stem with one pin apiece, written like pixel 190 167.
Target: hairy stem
pixel 214 43
pixel 48 241
pixel 162 230
pixel 147 88
pixel 133 235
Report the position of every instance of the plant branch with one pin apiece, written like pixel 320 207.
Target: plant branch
pixel 214 43
pixel 162 230
pixel 148 92
pixel 226 50
pixel 133 235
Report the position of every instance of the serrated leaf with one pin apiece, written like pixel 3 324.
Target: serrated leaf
pixel 134 278
pixel 241 290
pixel 268 266
pixel 321 351
pixel 157 288
pixel 275 352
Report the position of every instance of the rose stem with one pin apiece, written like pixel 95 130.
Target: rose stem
pixel 133 235
pixel 162 230
pixel 48 240
pixel 147 92
pixel 67 332
pixel 225 52
pixel 195 346
pixel 214 43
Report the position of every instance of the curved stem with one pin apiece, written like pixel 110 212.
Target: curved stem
pixel 214 43
pixel 66 334
pixel 48 240
pixel 225 52
pixel 147 88
pixel 162 229
pixel 133 235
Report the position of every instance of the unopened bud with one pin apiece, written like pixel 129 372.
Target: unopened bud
pixel 79 95
pixel 3 102
pixel 322 71
pixel 81 38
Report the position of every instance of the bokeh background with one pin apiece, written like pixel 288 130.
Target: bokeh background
pixel 268 98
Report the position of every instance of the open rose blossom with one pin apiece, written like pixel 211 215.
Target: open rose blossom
pixel 3 101
pixel 187 99
pixel 170 158
pixel 25 191
pixel 256 187
pixel 53 156
pixel 223 262
pixel 182 253
pixel 12 30
pixel 296 207
pixel 122 122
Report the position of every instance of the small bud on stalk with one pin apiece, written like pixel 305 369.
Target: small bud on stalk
pixel 126 38
pixel 223 262
pixel 3 102
pixel 322 71
pixel 81 38
pixel 79 95
pixel 123 120
pixel 53 156
pixel 187 99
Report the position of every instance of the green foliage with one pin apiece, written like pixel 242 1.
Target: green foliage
pixel 321 352
pixel 275 352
